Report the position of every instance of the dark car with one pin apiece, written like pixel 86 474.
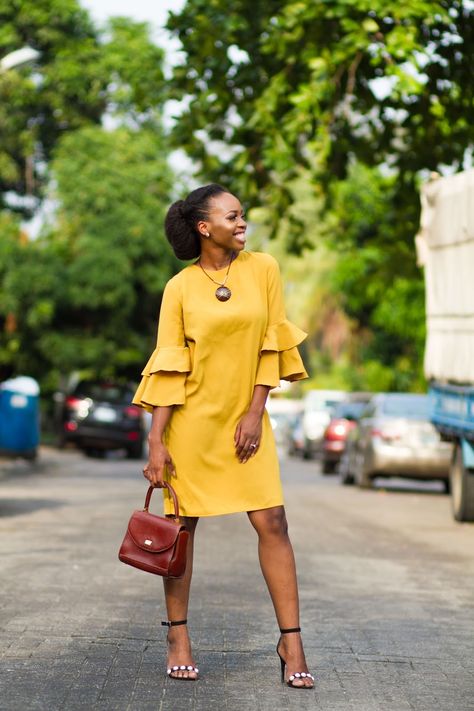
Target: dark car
pixel 98 416
pixel 343 420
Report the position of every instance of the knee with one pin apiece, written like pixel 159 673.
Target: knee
pixel 274 523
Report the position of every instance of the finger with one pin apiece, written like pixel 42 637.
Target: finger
pixel 243 442
pixel 241 449
pixel 239 444
pixel 246 452
pixel 237 435
pixel 157 482
pixel 155 477
pixel 255 449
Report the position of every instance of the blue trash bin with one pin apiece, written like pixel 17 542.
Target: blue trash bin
pixel 19 417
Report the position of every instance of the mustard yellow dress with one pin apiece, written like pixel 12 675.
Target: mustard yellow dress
pixel 209 356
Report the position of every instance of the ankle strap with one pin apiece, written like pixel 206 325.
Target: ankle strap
pixel 174 624
pixel 290 629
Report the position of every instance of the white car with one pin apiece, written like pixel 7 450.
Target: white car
pixel 317 411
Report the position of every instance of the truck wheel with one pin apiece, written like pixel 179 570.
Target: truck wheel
pixel 462 487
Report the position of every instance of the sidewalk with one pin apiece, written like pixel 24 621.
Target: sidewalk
pixel 387 622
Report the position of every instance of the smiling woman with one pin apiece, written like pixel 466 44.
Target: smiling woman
pixel 219 352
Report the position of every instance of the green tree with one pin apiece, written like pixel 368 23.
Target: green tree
pixel 377 281
pixel 289 88
pixel 289 84
pixel 81 73
pixel 86 294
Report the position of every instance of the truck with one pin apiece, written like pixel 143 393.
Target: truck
pixel 445 250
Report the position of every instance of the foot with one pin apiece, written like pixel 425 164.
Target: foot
pixel 180 654
pixel 290 647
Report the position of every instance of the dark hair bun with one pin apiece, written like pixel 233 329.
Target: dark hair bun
pixel 183 238
pixel 182 218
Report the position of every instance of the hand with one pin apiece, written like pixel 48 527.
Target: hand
pixel 159 464
pixel 247 436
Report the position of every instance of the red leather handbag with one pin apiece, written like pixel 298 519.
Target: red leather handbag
pixel 154 543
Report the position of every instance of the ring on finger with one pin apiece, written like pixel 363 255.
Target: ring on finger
pixel 253 446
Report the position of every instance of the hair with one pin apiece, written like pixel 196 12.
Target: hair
pixel 182 218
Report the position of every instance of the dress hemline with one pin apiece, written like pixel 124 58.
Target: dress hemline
pixel 224 513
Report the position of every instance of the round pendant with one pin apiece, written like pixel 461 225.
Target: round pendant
pixel 223 293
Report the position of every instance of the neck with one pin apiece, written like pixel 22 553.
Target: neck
pixel 214 260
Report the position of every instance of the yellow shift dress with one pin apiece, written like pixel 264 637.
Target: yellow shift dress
pixel 209 356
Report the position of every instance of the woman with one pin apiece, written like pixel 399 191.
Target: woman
pixel 223 343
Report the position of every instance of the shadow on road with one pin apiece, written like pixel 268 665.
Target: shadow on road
pixel 410 486
pixel 18 507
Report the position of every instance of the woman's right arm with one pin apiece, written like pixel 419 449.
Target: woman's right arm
pixel 159 460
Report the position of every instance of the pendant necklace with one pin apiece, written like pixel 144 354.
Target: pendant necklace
pixel 223 293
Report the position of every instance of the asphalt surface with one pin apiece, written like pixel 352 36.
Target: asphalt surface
pixel 386 582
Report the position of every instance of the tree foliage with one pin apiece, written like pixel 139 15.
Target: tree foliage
pixel 81 73
pixel 362 99
pixel 84 295
pixel 289 84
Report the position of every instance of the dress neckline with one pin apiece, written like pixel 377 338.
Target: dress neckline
pixel 217 271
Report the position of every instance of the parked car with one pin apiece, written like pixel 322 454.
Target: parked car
pixel 295 437
pixel 394 437
pixel 343 420
pixel 317 410
pixel 283 412
pixel 98 416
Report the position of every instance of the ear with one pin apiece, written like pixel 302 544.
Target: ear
pixel 203 228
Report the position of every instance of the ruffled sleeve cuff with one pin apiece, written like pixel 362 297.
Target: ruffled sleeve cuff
pixel 279 356
pixel 164 378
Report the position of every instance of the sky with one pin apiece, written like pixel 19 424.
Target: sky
pixel 153 11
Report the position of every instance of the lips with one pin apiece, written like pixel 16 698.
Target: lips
pixel 240 236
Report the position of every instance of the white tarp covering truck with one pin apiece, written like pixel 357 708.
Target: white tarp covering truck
pixel 445 247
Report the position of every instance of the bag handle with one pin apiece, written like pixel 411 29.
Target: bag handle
pixel 172 492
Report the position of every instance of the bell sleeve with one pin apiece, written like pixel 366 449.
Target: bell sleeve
pixel 164 376
pixel 279 356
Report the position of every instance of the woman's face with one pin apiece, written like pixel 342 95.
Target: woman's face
pixel 225 224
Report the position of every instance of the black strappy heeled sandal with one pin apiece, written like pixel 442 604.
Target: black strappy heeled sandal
pixel 189 668
pixel 296 675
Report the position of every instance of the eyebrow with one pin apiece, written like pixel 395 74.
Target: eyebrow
pixel 236 211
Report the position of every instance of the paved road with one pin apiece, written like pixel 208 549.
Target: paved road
pixel 386 578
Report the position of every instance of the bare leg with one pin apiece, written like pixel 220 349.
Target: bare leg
pixel 278 567
pixel 177 599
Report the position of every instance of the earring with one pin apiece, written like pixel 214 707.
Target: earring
pixel 206 234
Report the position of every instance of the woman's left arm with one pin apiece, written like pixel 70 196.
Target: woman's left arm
pixel 249 429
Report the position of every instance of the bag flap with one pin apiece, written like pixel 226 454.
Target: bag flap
pixel 153 533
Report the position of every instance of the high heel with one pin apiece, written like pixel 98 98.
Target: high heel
pixel 189 668
pixel 296 675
